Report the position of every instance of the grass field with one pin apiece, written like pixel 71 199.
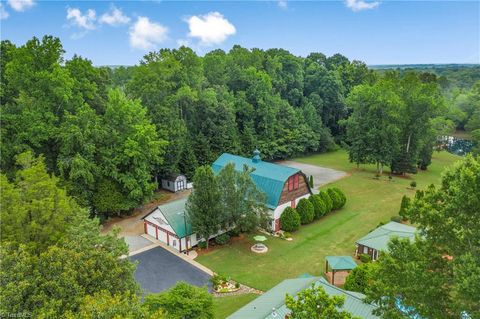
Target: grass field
pixel 369 201
pixel 225 306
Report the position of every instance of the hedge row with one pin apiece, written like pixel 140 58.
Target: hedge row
pixel 312 208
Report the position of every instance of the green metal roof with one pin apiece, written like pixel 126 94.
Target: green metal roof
pixel 341 262
pixel 378 239
pixel 174 213
pixel 269 178
pixel 263 306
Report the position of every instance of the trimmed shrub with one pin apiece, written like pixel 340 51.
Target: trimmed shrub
pixel 326 200
pixel 343 198
pixel 336 200
pixel 202 244
pixel 318 206
pixel 306 211
pixel 310 181
pixel 365 258
pixel 222 239
pixel 413 184
pixel 403 207
pixel 290 219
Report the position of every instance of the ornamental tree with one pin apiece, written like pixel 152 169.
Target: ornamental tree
pixel 327 200
pixel 336 199
pixel 290 219
pixel 318 205
pixel 306 211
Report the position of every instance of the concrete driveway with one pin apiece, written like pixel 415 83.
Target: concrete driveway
pixel 136 242
pixel 158 269
pixel 321 175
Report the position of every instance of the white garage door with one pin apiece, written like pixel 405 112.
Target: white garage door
pixel 162 235
pixel 151 230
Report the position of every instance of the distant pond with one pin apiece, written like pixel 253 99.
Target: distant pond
pixel 456 145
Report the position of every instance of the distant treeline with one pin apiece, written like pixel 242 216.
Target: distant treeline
pixel 450 76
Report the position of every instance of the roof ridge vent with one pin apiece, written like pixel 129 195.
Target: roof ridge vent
pixel 256 156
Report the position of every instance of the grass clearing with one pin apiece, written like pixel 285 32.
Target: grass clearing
pixel 369 201
pixel 225 306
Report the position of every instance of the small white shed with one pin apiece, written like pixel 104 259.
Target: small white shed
pixel 174 182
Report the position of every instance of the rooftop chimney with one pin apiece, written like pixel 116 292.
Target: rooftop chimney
pixel 256 156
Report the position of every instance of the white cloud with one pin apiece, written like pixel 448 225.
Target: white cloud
pixel 358 5
pixel 145 34
pixel 3 14
pixel 84 21
pixel 21 5
pixel 114 17
pixel 211 28
pixel 282 4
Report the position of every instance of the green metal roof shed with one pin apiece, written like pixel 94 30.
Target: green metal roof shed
pixel 378 239
pixel 268 177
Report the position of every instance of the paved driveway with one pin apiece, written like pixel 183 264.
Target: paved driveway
pixel 321 175
pixel 159 269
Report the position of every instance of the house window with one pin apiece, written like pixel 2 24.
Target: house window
pixel 293 182
pixel 365 249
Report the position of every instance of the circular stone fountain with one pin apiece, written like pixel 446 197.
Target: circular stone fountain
pixel 259 248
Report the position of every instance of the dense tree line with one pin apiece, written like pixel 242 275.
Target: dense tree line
pixel 109 133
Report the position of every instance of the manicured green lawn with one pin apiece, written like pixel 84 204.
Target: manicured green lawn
pixel 369 202
pixel 225 306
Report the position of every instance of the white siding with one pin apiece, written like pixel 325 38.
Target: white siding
pixel 157 218
pixel 151 230
pixel 279 209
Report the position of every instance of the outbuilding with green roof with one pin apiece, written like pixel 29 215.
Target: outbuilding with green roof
pixel 377 240
pixel 168 223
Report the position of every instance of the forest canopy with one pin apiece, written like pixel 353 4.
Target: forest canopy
pixel 109 134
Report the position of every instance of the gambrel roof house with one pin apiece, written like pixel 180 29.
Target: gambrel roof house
pixel 271 304
pixel 283 185
pixel 377 240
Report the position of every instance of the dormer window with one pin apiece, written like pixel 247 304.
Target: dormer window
pixel 293 182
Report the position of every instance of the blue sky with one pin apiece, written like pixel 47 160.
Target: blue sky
pixel 377 32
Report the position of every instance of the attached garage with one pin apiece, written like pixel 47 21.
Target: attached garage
pixel 168 223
